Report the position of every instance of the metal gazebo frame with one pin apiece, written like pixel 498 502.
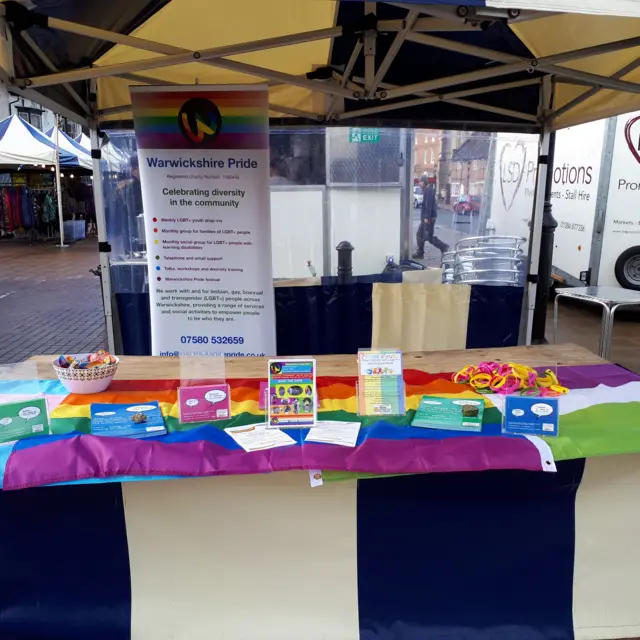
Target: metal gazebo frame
pixel 343 91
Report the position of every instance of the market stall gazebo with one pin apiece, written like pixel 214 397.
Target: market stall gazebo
pixel 526 66
pixel 417 555
pixel 23 144
pixel 80 156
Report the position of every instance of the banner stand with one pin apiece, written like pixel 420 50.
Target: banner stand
pixel 203 154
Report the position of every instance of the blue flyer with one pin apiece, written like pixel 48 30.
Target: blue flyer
pixel 531 416
pixel 127 420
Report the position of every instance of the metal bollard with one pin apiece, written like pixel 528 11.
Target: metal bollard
pixel 345 266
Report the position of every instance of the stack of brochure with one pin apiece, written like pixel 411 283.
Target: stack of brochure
pixel 24 419
pixel 127 420
pixel 448 413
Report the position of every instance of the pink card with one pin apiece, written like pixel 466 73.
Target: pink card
pixel 202 404
pixel 264 394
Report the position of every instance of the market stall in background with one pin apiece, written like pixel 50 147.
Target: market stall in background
pixel 32 201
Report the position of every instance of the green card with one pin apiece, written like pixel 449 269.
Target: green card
pixel 448 413
pixel 20 420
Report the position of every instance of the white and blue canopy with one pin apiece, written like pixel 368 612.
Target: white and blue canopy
pixel 23 144
pixel 115 159
pixel 79 156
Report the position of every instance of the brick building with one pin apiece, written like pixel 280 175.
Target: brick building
pixel 456 159
pixel 469 165
pixel 427 151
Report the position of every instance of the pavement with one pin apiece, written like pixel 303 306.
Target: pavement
pixel 450 229
pixel 49 302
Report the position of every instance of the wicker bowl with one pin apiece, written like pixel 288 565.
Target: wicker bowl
pixel 86 381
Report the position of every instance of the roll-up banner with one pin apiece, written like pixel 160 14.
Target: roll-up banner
pixel 203 155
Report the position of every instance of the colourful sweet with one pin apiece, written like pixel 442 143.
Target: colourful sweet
pixel 98 359
pixel 65 361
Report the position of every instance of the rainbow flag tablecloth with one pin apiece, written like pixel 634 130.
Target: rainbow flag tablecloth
pixel 600 416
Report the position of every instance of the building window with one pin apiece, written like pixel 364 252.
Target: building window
pixel 433 139
pixel 425 156
pixel 34 119
pixel 433 159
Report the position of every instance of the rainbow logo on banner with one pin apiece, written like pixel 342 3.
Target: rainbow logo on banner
pixel 227 118
pixel 199 120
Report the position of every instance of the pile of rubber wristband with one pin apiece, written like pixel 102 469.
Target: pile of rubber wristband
pixel 507 378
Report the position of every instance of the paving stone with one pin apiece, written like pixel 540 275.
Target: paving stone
pixel 49 302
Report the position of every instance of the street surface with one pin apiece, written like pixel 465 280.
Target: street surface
pixel 49 302
pixel 450 229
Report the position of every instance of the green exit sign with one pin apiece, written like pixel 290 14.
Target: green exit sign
pixel 357 134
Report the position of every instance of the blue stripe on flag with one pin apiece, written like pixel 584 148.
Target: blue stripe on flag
pixel 468 555
pixel 5 451
pixel 65 564
pixel 32 387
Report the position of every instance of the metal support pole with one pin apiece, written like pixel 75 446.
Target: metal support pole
pixel 103 244
pixel 6 65
pixel 549 225
pixel 535 237
pixel 370 39
pixel 406 208
pixel 62 245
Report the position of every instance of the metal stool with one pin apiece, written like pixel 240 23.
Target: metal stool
pixel 609 298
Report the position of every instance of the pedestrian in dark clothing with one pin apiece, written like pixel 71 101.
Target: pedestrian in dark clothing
pixel 428 215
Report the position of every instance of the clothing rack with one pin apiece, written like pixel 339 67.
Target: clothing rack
pixel 28 212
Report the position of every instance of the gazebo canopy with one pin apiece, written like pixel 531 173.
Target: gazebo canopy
pixel 80 157
pixel 23 144
pixel 479 65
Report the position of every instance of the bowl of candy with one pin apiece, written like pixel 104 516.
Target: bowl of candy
pixel 86 373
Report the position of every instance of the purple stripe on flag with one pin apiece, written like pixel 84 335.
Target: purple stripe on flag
pixel 84 457
pixel 592 375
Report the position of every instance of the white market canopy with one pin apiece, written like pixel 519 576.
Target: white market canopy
pixel 479 65
pixel 84 142
pixel 80 157
pixel 23 144
pixel 115 159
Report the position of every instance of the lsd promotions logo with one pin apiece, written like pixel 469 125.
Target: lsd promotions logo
pixel 199 121
pixel 632 136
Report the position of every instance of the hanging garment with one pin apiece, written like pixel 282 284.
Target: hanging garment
pixel 49 209
pixel 15 206
pixel 7 208
pixel 26 210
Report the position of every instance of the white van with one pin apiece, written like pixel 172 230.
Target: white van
pixel 595 198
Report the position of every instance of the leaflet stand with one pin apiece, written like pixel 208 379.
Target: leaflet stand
pixel 24 406
pixel 203 394
pixel 380 387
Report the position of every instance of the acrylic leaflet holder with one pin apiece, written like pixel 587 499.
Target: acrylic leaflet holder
pixel 380 386
pixel 203 394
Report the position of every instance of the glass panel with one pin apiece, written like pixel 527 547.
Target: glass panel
pixel 364 190
pixel 364 156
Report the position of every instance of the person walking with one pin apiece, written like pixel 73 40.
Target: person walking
pixel 428 215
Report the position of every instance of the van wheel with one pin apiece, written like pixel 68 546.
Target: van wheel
pixel 627 268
